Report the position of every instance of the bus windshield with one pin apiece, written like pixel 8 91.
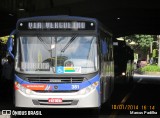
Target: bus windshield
pixel 56 54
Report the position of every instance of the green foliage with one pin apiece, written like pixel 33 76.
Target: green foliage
pixel 142 40
pixel 155 53
pixel 4 39
pixel 143 43
pixel 135 56
pixel 151 68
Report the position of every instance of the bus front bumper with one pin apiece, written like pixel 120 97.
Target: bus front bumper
pixel 69 100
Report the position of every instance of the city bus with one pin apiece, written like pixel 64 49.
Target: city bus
pixel 62 62
pixel 124 62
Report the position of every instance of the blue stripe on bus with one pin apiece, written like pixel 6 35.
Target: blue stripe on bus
pixel 98 90
pixel 67 86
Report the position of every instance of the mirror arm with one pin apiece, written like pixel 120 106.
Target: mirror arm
pixel 10 53
pixel 10 44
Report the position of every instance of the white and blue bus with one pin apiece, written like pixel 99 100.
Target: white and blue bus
pixel 62 62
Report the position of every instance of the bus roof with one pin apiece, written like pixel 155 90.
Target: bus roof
pixel 58 18
pixel 63 18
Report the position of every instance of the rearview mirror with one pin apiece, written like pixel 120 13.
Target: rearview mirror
pixel 10 46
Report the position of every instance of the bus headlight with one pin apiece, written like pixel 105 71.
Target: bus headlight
pixel 123 74
pixel 88 89
pixel 25 90
pixel 28 91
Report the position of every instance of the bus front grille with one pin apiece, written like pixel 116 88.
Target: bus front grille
pixel 64 102
pixel 57 80
pixel 58 91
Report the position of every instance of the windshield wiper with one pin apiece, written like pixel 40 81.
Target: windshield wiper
pixel 68 44
pixel 42 41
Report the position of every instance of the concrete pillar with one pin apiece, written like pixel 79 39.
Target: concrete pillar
pixel 158 50
pixel 151 45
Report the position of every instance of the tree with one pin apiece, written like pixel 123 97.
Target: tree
pixel 143 42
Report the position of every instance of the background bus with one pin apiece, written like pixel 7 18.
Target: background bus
pixel 124 62
pixel 62 62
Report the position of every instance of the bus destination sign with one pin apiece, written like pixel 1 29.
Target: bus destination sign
pixel 56 25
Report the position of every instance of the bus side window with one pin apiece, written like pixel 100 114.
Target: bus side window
pixel 104 47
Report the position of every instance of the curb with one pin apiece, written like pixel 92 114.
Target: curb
pixel 152 73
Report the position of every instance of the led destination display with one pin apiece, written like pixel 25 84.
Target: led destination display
pixel 56 25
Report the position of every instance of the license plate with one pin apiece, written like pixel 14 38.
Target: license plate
pixel 54 100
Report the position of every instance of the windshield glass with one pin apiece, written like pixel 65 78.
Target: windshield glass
pixel 58 55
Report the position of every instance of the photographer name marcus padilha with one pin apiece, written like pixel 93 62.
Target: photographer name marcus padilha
pixel 15 113
pixel 144 112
